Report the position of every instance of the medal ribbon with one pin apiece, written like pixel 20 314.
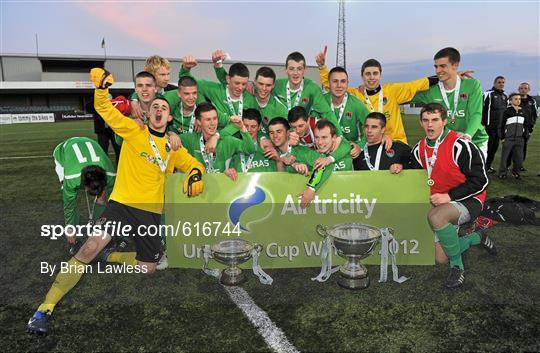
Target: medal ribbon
pixel 288 153
pixel 431 163
pixel 370 106
pixel 341 107
pixel 191 116
pixel 388 246
pixel 326 261
pixel 246 165
pixel 231 105
pixel 90 212
pixel 452 111
pixel 208 158
pixel 162 165
pixel 298 95
pixel 377 158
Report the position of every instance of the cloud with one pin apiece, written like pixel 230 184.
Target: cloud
pixel 173 29
pixel 135 20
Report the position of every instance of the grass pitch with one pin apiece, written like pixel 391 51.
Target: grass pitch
pixel 184 311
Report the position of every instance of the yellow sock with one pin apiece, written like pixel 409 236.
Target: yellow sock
pixel 63 283
pixel 127 258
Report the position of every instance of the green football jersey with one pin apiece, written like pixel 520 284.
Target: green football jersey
pixel 217 94
pixel 181 123
pixel 343 161
pixel 351 118
pixel 272 109
pixel 253 162
pixel 467 117
pixel 311 98
pixel 70 157
pixel 227 147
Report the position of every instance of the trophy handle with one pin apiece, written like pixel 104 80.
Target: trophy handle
pixel 321 230
pixel 258 247
pixel 389 230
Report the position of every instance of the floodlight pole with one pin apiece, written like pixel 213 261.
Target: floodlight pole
pixel 340 50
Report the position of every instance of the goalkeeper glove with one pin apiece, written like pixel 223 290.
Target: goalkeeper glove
pixel 193 184
pixel 102 79
pixel 316 178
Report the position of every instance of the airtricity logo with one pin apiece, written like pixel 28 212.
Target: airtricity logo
pixel 254 196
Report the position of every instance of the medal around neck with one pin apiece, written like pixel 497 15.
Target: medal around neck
pixel 233 253
pixel 353 242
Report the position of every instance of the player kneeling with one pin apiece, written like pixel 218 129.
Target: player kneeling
pixel 457 180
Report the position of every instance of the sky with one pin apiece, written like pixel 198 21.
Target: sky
pixel 494 37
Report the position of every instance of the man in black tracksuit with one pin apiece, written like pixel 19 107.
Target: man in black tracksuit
pixel 495 103
pixel 530 110
pixel 511 133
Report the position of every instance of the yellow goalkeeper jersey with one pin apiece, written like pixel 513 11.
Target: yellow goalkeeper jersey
pixel 394 94
pixel 140 182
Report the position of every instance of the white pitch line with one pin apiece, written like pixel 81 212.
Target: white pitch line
pixel 274 337
pixel 26 157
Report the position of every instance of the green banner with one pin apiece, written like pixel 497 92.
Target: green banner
pixel 264 208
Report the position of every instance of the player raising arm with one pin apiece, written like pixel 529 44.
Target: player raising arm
pixel 136 202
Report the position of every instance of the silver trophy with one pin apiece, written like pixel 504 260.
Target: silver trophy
pixel 354 242
pixel 231 253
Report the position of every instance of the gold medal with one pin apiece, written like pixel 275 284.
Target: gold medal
pixel 430 182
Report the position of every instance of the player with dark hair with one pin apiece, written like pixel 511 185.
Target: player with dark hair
pixel 136 202
pixel 303 134
pixel 349 111
pixel 457 179
pixel 160 68
pixel 296 90
pixel 227 146
pixel 267 103
pixel 254 162
pixel 383 98
pixel 303 159
pixel 183 102
pixel 373 155
pixel 230 98
pixel 81 163
pixel 146 91
pixel 462 98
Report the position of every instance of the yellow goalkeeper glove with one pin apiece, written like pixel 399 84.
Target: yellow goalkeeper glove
pixel 101 78
pixel 193 184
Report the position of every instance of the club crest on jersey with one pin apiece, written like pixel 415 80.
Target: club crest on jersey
pixel 384 100
pixel 305 100
pixel 390 153
pixel 463 96
pixel 348 115
pixel 265 119
pixel 149 158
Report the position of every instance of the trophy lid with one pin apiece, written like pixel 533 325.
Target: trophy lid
pixel 232 246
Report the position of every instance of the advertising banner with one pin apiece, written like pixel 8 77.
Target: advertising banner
pixel 30 118
pixel 264 208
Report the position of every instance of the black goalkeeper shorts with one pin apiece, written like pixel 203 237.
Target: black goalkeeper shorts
pixel 149 248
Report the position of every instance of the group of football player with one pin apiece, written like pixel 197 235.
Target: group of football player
pixel 233 125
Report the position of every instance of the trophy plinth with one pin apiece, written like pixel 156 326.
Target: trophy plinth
pixel 354 242
pixel 232 253
pixel 232 276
